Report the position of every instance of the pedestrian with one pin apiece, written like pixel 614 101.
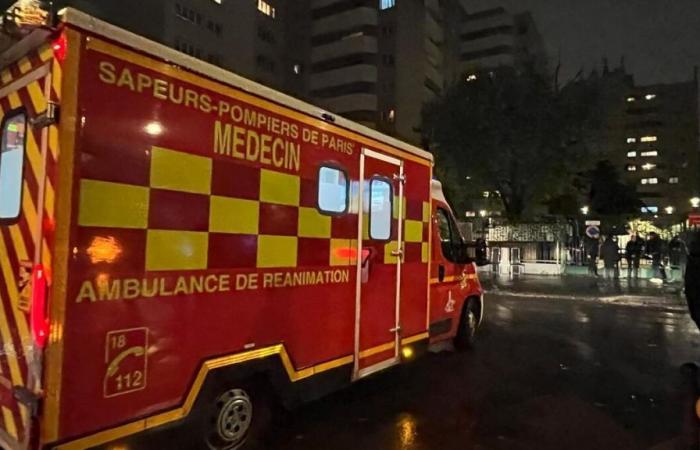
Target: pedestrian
pixel 633 253
pixel 481 250
pixel 656 250
pixel 678 254
pixel 592 250
pixel 610 254
pixel 691 371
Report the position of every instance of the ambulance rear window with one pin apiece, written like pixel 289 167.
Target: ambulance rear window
pixel 332 190
pixel 11 164
pixel 380 208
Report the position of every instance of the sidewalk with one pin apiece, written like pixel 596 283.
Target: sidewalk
pixel 622 291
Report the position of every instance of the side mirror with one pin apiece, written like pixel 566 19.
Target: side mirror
pixel 462 254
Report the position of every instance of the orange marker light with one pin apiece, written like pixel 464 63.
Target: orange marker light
pixel 104 249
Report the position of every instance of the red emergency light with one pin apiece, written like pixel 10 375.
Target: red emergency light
pixel 37 316
pixel 60 47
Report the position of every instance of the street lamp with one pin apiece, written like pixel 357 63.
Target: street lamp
pixel 584 210
pixel 695 202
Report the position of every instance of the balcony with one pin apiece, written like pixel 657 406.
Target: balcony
pixel 433 75
pixel 433 29
pixel 346 75
pixel 318 4
pixel 487 42
pixel 350 103
pixel 471 26
pixel 350 46
pixel 345 21
pixel 433 52
pixel 487 62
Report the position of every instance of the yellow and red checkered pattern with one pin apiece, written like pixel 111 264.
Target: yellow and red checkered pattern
pixel 204 213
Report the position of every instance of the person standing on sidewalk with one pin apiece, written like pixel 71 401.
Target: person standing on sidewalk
pixel 678 254
pixel 633 253
pixel 610 254
pixel 592 250
pixel 655 249
pixel 691 370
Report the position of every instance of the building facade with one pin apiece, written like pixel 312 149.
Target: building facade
pixel 650 134
pixel 246 37
pixel 493 38
pixel 660 146
pixel 379 61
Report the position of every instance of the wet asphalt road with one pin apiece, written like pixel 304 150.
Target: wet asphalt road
pixel 546 374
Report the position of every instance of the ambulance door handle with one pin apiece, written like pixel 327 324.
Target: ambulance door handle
pixel 397 253
pixel 395 330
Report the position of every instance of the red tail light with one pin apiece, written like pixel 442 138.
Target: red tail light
pixel 37 315
pixel 60 47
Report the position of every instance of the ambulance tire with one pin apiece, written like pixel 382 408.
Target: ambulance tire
pixel 239 418
pixel 468 324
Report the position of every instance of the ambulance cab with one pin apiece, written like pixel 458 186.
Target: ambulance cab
pixel 456 295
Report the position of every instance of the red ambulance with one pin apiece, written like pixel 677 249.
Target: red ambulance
pixel 179 246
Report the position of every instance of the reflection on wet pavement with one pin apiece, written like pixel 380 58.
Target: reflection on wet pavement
pixel 546 374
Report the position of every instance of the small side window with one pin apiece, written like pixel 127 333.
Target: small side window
pixel 11 165
pixel 380 207
pixel 332 190
pixel 450 238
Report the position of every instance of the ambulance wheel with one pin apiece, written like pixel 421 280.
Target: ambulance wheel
pixel 238 420
pixel 468 323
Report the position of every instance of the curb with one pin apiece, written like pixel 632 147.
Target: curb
pixel 647 301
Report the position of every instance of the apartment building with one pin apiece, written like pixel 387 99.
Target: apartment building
pixel 659 146
pixel 373 61
pixel 493 38
pixel 246 37
pixel 378 61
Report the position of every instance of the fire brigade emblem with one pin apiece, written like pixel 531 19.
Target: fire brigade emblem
pixel 450 306
pixel 24 284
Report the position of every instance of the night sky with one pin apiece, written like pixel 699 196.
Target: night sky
pixel 660 39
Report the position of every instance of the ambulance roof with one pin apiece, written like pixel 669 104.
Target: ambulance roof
pixel 436 192
pixel 89 23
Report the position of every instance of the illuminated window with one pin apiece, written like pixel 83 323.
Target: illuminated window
pixel 650 153
pixel 332 190
pixel 296 69
pixel 648 139
pixel 386 4
pixel 649 166
pixel 486 194
pixel 631 168
pixel 471 77
pixel 631 140
pixel 650 181
pixel 266 8
pixel 11 164
pixel 631 99
pixel 650 209
pixel 650 96
pixel 391 117
pixel 631 154
pixel 673 180
pixel 380 208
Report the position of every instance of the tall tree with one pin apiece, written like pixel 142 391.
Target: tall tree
pixel 608 195
pixel 513 132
